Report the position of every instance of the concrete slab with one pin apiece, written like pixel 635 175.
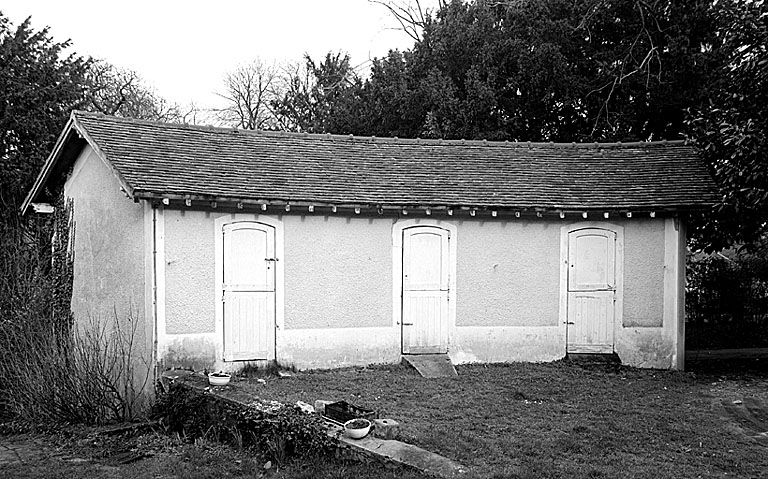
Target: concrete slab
pixel 403 453
pixel 431 365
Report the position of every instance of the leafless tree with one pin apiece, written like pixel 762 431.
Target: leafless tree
pixel 122 92
pixel 292 105
pixel 249 92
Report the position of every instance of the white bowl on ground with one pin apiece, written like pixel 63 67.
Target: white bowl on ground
pixel 357 432
pixel 218 379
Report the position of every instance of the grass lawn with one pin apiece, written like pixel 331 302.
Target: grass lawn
pixel 554 420
pixel 506 420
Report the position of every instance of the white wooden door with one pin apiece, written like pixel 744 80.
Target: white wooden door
pixel 591 291
pixel 249 291
pixel 425 290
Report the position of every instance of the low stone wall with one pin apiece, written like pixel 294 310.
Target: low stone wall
pixel 379 447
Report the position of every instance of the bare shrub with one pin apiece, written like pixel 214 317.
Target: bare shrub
pixel 115 374
pixel 50 371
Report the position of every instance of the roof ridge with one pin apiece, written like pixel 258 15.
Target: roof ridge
pixel 385 140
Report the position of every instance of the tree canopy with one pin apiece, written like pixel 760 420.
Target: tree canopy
pixel 732 129
pixel 39 86
pixel 538 71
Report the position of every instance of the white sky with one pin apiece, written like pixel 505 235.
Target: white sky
pixel 184 48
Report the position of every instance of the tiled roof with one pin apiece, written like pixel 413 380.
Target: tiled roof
pixel 156 159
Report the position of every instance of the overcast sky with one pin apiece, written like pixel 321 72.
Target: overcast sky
pixel 184 48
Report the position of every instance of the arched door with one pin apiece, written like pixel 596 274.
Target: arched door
pixel 425 293
pixel 248 291
pixel 591 291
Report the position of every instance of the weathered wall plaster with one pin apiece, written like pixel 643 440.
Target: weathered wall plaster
pixel 338 347
pixel 508 273
pixel 108 276
pixel 646 347
pixel 507 343
pixel 657 343
pixel 338 272
pixel 197 351
pixel 643 273
pixel 189 263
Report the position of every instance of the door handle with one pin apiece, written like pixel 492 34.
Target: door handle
pixel 407 324
pixel 568 322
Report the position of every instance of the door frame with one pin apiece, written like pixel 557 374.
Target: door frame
pixel 219 224
pixel 565 232
pixel 397 273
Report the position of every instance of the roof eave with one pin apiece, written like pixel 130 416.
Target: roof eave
pixel 124 185
pixel 45 173
pixel 202 199
pixel 71 129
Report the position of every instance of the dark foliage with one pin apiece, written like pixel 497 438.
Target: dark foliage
pixel 548 70
pixel 39 86
pixel 732 130
pixel 727 301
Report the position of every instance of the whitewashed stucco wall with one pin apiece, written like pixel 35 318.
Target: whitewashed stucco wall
pixel 338 282
pixel 109 258
pixel 108 244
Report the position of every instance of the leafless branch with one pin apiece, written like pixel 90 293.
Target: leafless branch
pixel 249 92
pixel 119 91
pixel 638 58
pixel 411 16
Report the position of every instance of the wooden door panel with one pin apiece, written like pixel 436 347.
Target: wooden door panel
pixel 248 251
pixel 590 316
pixel 247 331
pixel 423 261
pixel 428 334
pixel 591 291
pixel 591 261
pixel 425 290
pixel 249 291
